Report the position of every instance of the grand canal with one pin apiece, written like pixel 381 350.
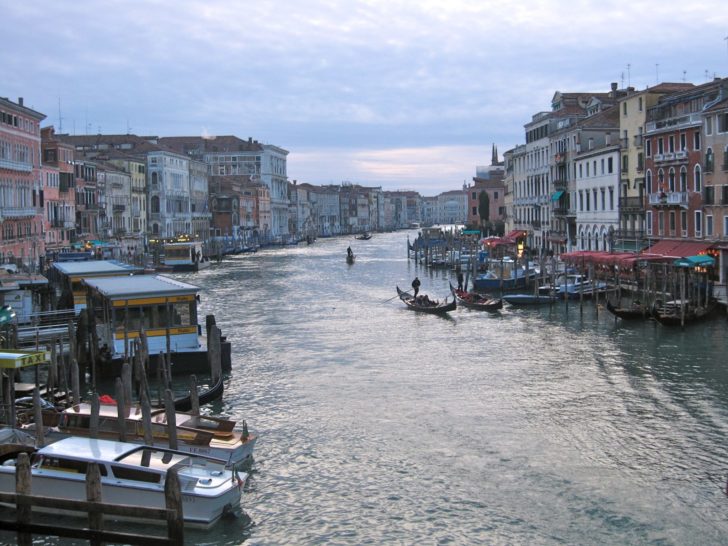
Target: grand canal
pixel 531 426
pixel 538 426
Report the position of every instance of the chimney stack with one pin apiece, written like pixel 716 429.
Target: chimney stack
pixel 20 101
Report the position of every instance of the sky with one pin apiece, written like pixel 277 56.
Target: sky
pixel 407 95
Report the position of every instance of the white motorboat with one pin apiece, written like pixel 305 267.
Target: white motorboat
pixel 574 286
pixel 199 434
pixel 131 474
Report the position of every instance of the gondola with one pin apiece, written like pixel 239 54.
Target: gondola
pixel 636 311
pixel 184 403
pixel 350 259
pixel 473 300
pixel 417 304
pixel 363 237
pixel 671 313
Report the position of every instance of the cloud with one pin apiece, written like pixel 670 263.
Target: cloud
pixel 366 74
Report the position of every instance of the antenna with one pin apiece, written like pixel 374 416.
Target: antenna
pixel 621 78
pixel 657 73
pixel 60 117
pixel 684 72
pixel 128 129
pixel 629 75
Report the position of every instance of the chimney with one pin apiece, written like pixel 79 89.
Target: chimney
pixel 20 101
pixel 613 92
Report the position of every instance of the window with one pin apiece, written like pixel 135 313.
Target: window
pixel 648 148
pixel 671 143
pixel 709 125
pixel 708 225
pixel 696 140
pixel 709 160
pixel 683 142
pixel 684 223
pixel 648 180
pixel 660 146
pixel 611 198
pixel 639 104
pixel 671 179
pixel 495 196
pixel 661 223
pixel 698 223
pixel 698 182
pixel 648 222
pixel 723 123
pixel 725 226
pixel 683 178
pixel 672 222
pixel 610 165
pixel 624 108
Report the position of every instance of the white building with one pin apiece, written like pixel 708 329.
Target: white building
pixel 597 197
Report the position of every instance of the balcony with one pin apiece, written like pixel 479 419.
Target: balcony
pixel 671 157
pixel 678 122
pixel 560 158
pixel 16 166
pixel 631 204
pixel 629 234
pixel 117 209
pixel 669 199
pixel 19 212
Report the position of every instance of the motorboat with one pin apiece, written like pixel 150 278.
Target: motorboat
pixel 574 286
pixel 504 274
pixel 199 434
pixel 131 474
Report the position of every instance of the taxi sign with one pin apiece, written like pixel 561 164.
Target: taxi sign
pixel 14 360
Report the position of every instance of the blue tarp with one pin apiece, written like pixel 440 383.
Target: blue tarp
pixel 557 195
pixel 695 261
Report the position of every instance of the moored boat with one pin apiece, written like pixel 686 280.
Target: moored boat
pixel 364 236
pixel 473 300
pixel 425 305
pixel 131 474
pixel 681 312
pixel 635 311
pixel 198 434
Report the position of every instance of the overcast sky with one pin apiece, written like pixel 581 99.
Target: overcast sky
pixel 395 93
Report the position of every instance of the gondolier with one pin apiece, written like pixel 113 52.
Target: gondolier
pixel 416 285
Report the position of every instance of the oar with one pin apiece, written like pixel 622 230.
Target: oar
pixel 390 299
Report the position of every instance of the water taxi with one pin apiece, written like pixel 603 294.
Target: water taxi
pixel 67 278
pixel 165 308
pixel 131 474
pixel 184 256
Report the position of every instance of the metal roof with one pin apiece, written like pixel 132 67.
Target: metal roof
pixel 140 285
pixel 77 447
pixel 95 267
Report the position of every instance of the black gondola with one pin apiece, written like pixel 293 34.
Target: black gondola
pixel 424 305
pixel 636 311
pixel 473 300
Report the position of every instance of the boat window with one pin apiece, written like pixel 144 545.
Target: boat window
pixel 67 465
pixel 127 473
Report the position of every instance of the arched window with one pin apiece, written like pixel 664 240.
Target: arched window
pixel 698 179
pixel 671 179
pixel 683 178
pixel 155 204
pixel 155 229
pixel 709 160
pixel 661 181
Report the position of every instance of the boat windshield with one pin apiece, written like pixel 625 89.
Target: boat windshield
pixel 153 458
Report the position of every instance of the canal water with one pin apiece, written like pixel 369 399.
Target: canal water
pixel 378 425
pixel 531 426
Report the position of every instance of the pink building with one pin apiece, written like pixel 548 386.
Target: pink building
pixel 21 187
pixel 60 218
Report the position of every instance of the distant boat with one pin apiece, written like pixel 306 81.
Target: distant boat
pixel 364 236
pixel 350 258
pixel 575 286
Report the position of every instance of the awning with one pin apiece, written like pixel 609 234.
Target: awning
pixel 557 195
pixel 516 234
pixel 695 261
pixel 672 248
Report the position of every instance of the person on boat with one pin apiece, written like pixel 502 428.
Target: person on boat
pixel 416 285
pixel 349 253
pixel 460 278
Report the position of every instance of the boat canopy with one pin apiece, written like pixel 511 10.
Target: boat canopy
pixel 695 261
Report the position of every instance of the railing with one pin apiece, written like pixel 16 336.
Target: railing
pixel 16 166
pixel 19 212
pixel 673 198
pixel 118 208
pixel 631 204
pixel 682 121
pixel 629 234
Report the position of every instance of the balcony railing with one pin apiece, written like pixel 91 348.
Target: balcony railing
pixel 669 199
pixel 631 204
pixel 118 208
pixel 671 157
pixel 682 121
pixel 16 166
pixel 629 234
pixel 19 212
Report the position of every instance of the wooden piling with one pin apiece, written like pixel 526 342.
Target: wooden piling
pixel 38 418
pixel 93 494
pixel 194 396
pixel 120 408
pixel 22 487
pixel 171 415
pixel 93 429
pixel 173 501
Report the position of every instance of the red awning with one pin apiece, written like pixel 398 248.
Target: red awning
pixel 678 249
pixel 515 234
